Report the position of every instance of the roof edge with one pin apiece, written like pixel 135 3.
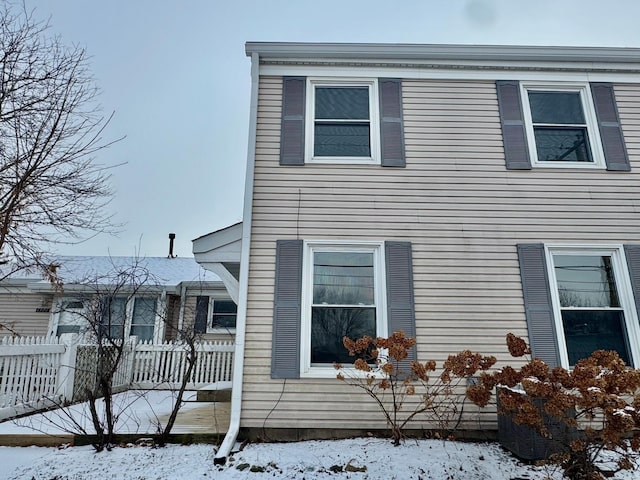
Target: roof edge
pixel 406 51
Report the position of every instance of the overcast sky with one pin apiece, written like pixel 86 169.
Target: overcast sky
pixel 176 76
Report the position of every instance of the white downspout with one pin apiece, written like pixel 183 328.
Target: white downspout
pixel 241 327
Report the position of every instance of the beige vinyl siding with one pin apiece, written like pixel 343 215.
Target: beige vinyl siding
pixel 19 315
pixel 464 214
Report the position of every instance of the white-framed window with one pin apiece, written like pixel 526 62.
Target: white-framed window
pixel 343 294
pixel 117 317
pixel 114 317
pixel 215 315
pixel 69 317
pixel 143 318
pixel 561 125
pixel 593 303
pixel 342 121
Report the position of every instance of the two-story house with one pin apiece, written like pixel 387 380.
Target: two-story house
pixel 454 192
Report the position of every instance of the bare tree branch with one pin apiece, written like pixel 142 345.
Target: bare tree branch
pixel 51 188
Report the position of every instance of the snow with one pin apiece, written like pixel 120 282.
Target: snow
pixel 140 413
pixel 312 460
pixel 355 459
pixel 337 459
pixel 162 270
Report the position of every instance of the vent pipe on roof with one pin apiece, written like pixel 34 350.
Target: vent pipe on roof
pixel 172 237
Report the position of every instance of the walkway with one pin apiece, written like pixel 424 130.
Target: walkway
pixel 140 413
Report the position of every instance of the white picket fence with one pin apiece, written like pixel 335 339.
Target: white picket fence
pixel 37 372
pixel 29 374
pixel 165 365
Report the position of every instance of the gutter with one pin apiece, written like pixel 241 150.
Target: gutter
pixel 241 325
pixel 399 52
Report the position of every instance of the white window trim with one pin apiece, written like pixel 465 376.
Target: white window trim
pixel 625 294
pixel 382 329
pixel 593 132
pixel 374 120
pixel 220 330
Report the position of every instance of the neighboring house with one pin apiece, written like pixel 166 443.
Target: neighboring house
pixel 457 193
pixel 166 294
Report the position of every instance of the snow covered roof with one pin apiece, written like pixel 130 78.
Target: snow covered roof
pixel 162 271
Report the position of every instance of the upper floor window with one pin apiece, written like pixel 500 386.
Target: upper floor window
pixel 342 121
pixel 561 126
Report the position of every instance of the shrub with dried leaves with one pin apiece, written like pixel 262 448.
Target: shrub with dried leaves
pixel 599 397
pixel 382 371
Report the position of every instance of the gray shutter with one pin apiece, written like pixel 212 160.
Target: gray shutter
pixel 514 137
pixel 400 302
pixel 285 351
pixel 615 151
pixel 391 126
pixel 202 310
pixel 537 303
pixel 632 252
pixel 292 126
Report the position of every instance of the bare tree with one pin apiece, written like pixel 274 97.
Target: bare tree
pixel 51 188
pixel 105 312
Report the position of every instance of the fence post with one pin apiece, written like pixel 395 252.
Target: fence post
pixel 132 358
pixel 67 370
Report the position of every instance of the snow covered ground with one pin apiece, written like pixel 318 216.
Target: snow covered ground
pixel 361 458
pixel 138 412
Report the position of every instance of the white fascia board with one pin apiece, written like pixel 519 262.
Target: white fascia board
pixel 283 51
pixel 539 73
pixel 217 239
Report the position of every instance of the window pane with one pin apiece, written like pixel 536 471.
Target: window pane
pixel 224 306
pixel 62 329
pixel 224 321
pixel 342 140
pixel 144 318
pixel 113 317
pixel 556 107
pixel 72 317
pixel 144 311
pixel 562 144
pixel 143 332
pixel 587 331
pixel 585 281
pixel 329 325
pixel 224 314
pixel 343 278
pixel 342 103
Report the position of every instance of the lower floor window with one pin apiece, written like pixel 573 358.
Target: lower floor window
pixel 143 320
pixel 212 314
pixel 224 314
pixel 342 298
pixel 113 318
pixel 592 303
